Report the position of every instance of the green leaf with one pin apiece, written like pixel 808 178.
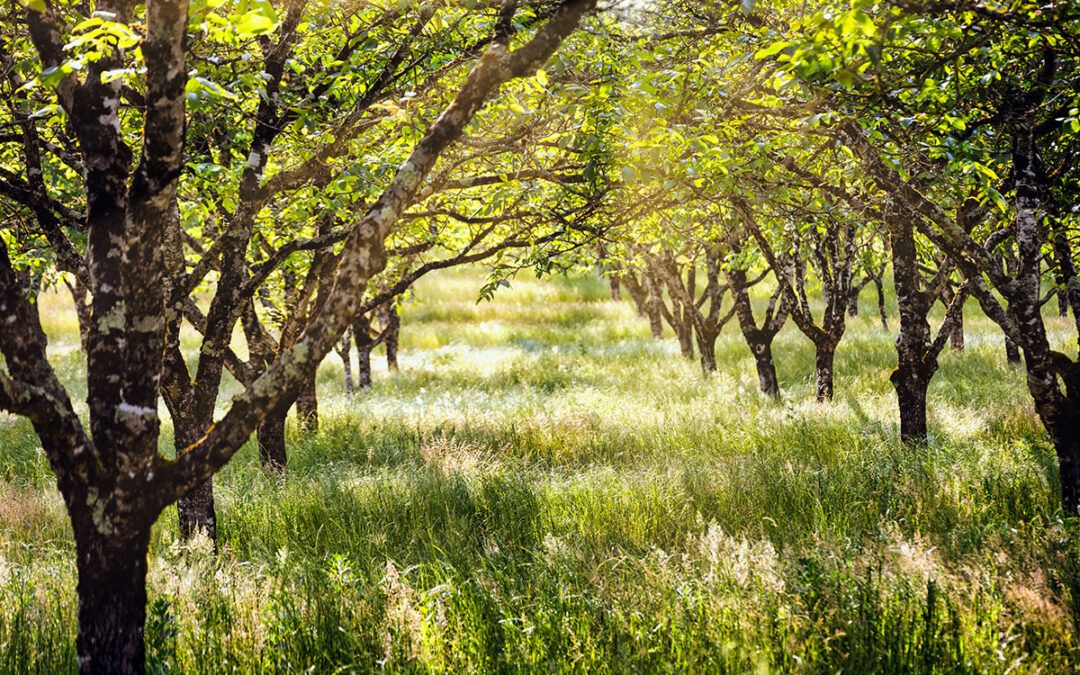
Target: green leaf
pixel 254 23
pixel 771 50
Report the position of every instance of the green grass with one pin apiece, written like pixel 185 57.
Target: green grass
pixel 543 487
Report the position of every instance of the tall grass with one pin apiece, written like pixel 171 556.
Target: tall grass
pixel 545 487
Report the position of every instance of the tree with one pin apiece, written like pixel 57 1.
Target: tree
pixel 113 480
pixel 829 245
pixel 995 154
pixel 759 337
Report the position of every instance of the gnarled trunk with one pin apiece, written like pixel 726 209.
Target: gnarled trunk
pixel 758 339
pixel 112 598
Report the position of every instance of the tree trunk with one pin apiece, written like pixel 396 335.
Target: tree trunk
pixel 637 295
pixel 364 345
pixel 881 304
pixel 196 512
pixel 853 301
pixel 824 367
pixel 80 295
pixel 346 361
pixel 759 340
pixel 707 347
pixel 112 598
pixel 391 323
pixel 685 334
pixel 1012 352
pixel 766 369
pixel 271 436
pixel 195 509
pixel 1058 410
pixel 616 292
pixel 911 384
pixel 1063 303
pixel 307 406
pixel 956 335
pixel 652 307
pixel 1065 434
pixel 916 362
pixel 363 368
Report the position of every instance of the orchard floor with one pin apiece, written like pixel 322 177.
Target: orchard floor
pixel 543 487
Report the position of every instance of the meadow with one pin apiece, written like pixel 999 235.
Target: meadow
pixel 544 487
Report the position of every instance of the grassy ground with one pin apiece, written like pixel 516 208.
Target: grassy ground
pixel 544 487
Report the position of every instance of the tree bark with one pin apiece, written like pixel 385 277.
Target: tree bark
pixel 346 361
pixel 391 325
pixel 685 335
pixel 616 292
pixel 766 369
pixel 1012 352
pixel 80 295
pixel 196 512
pixel 637 294
pixel 271 437
pixel 853 301
pixel 1063 424
pixel 652 308
pixel 363 368
pixel 956 335
pixel 707 347
pixel 307 406
pixel 825 354
pixel 881 304
pixel 911 386
pixel 112 599
pixel 364 345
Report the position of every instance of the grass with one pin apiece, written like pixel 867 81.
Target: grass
pixel 545 487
